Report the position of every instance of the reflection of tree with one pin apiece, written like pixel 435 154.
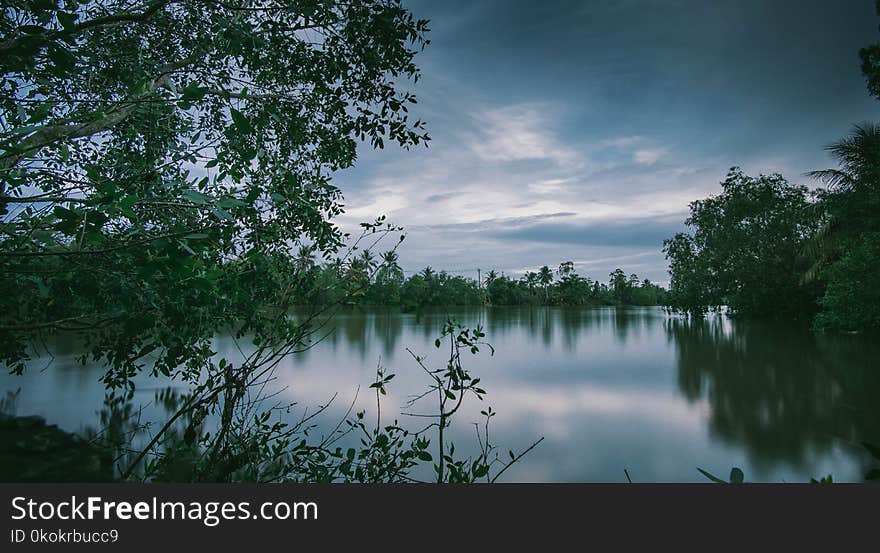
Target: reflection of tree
pixel 388 325
pixel 576 324
pixel 779 389
pixel 123 427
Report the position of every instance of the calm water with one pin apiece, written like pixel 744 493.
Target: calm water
pixel 608 389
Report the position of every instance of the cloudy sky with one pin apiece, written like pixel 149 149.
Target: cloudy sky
pixel 566 130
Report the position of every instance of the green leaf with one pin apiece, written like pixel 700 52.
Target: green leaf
pixel 711 476
pixel 241 121
pixel 195 197
pixel 193 91
pixel 227 203
pixel 424 456
pixel 125 205
pixel 220 213
pixel 736 475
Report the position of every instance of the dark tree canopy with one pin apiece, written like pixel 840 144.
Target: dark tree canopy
pixel 745 249
pixel 846 249
pixel 161 160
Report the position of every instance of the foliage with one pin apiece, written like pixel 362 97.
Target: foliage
pixel 452 384
pixel 165 174
pixel 745 249
pixel 852 296
pixel 268 447
pixel 753 241
pixel 736 476
pixel 160 162
pixel 845 252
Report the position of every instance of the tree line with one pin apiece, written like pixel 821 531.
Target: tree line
pixel 368 279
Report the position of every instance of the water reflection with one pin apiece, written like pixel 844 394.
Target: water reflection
pixel 778 390
pixel 609 388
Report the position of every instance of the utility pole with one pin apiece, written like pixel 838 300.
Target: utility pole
pixel 479 279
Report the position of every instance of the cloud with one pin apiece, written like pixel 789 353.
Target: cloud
pixel 631 233
pixel 648 156
pixel 549 186
pixel 562 133
pixel 435 198
pixel 622 142
pixel 519 133
pixel 495 223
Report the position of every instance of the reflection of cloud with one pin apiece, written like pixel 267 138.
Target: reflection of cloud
pixel 566 403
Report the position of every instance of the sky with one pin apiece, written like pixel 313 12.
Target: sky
pixel 564 130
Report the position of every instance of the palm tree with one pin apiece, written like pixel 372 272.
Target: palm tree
pixel 531 280
pixel 859 158
pixel 390 267
pixel 390 259
pixel 358 276
pixel 368 262
pixel 427 273
pixel 337 266
pixel 545 277
pixel 853 199
pixel 305 259
pixel 491 276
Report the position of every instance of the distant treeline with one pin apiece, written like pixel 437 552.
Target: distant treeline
pixel 370 280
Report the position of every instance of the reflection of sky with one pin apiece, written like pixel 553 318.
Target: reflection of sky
pixel 602 387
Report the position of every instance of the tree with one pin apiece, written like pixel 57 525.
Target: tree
pixel 845 252
pixel 531 280
pixel 545 277
pixel 368 263
pixel 566 268
pixel 745 249
pixel 390 266
pixel 305 258
pixel 159 162
pixel 620 286
pixel 689 290
pixel 145 149
pixel 389 278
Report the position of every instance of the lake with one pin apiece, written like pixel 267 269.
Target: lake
pixel 609 389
